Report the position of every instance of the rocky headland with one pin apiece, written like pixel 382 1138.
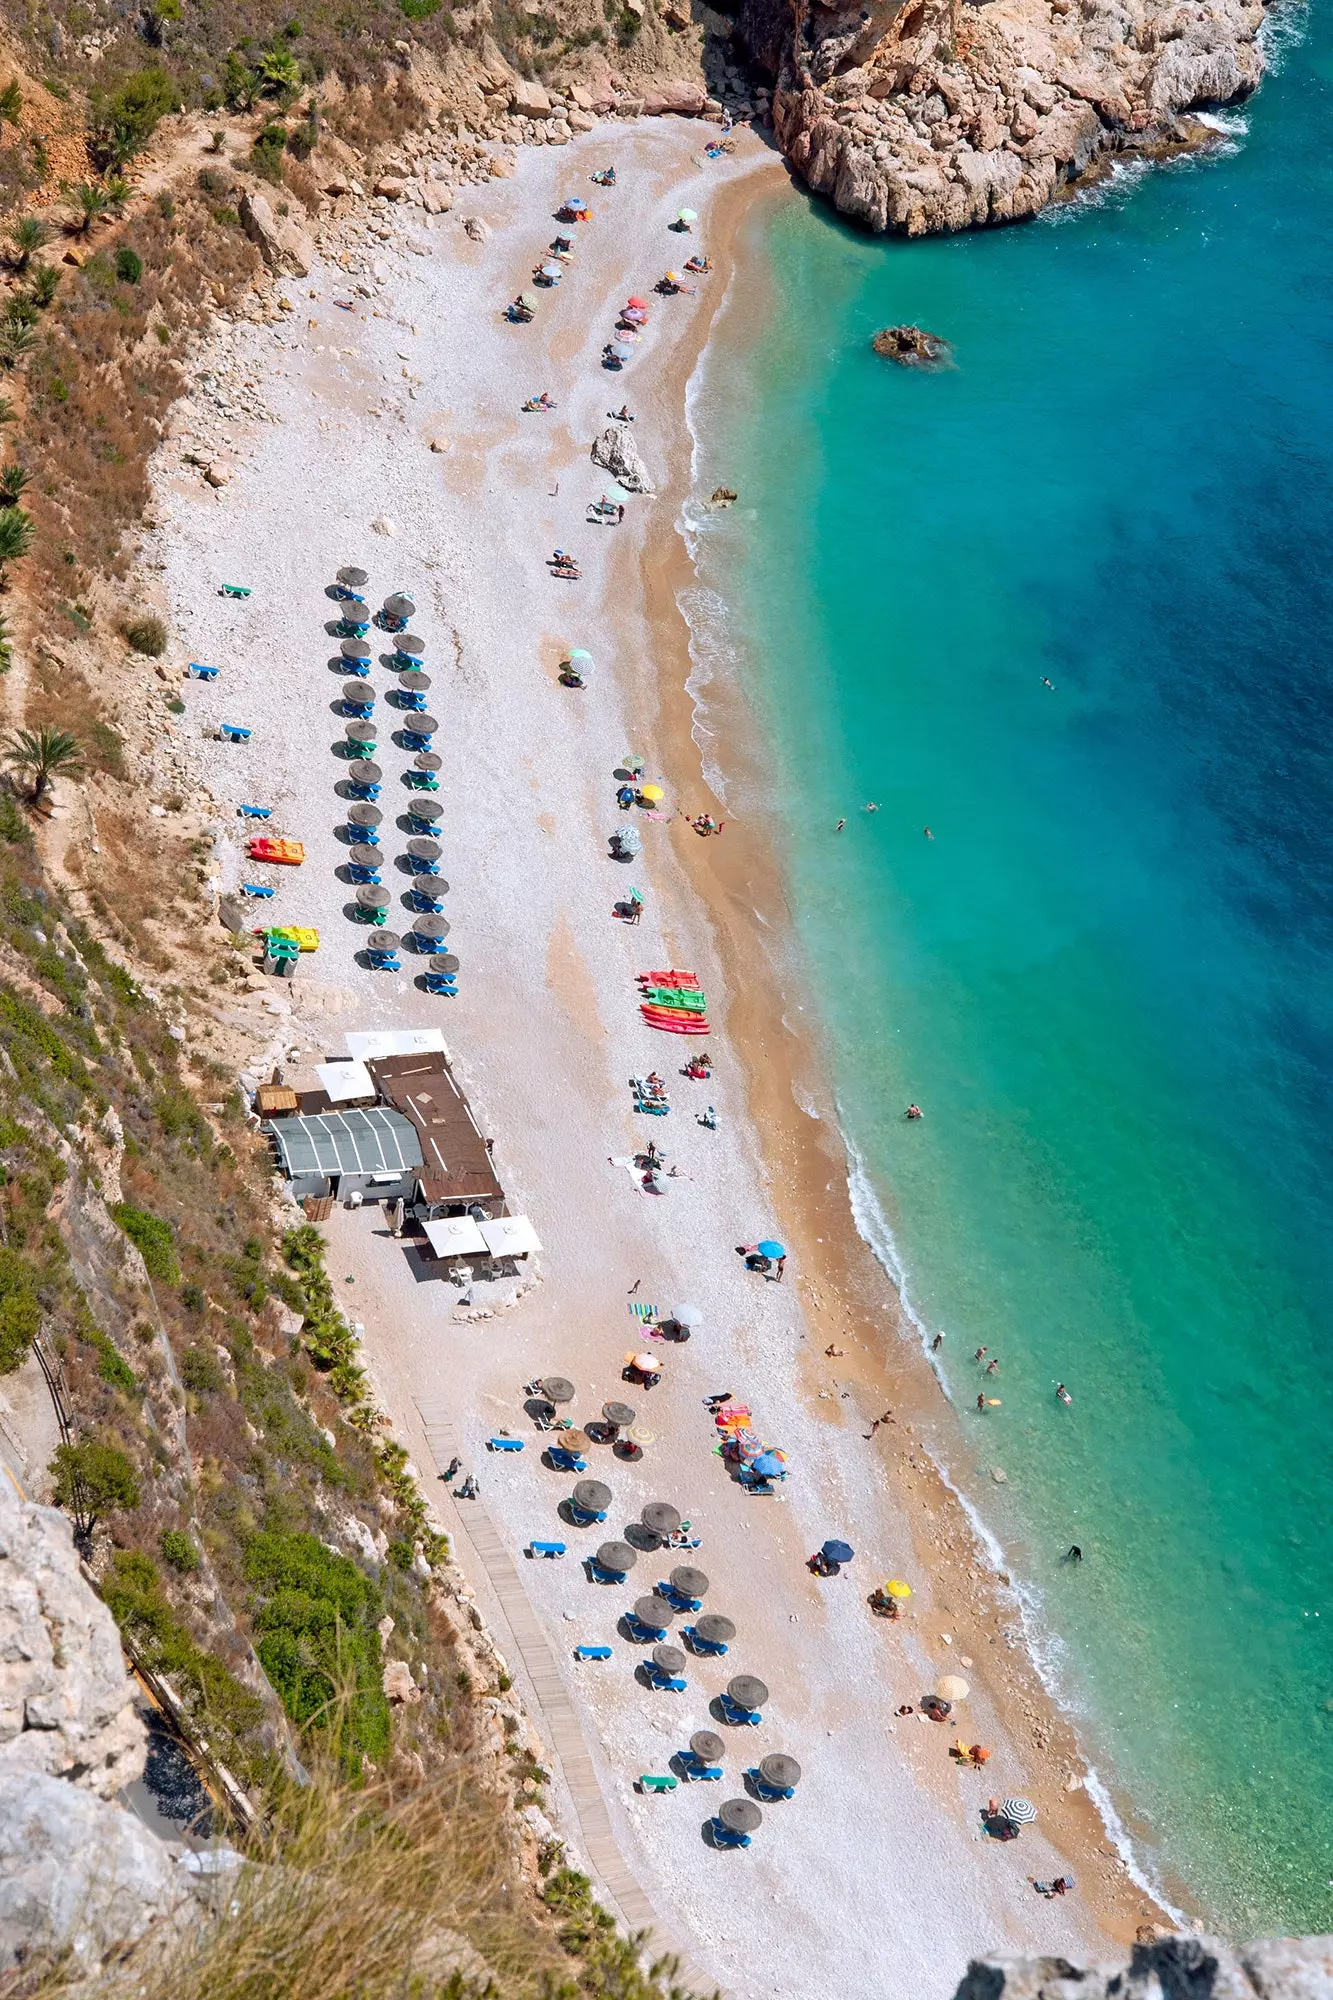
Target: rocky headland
pixel 930 115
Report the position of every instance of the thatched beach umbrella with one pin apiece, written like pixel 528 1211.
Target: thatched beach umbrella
pixel 355 649
pixel 385 941
pixel 707 1745
pixel 616 1556
pixel 780 1771
pixel 421 848
pixel 426 810
pixel 412 681
pixel 660 1518
pixel 747 1691
pixel 427 760
pixel 420 725
pixel 361 732
pixel 399 606
pixel 370 897
pixel 555 1388
pixel 363 856
pixel 355 579
pixel 408 642
pixel 438 927
pixel 362 772
pixel 358 694
pixel 715 1629
pixel 668 1659
pixel 740 1816
pixel 363 813
pixel 689 1581
pixel 592 1496
pixel 618 1415
pixel 448 963
pixel 653 1611
pixel 576 1441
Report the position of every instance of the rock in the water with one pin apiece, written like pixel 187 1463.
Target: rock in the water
pixel 66 1702
pixel 912 346
pixel 1269 1969
pixel 282 245
pixel 77 1873
pixel 724 496
pixel 616 452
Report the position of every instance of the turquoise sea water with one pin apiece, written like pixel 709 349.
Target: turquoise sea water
pixel 1107 978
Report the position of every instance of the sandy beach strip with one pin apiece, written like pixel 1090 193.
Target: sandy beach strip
pixel 877 1868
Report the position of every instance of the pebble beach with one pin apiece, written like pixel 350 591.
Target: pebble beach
pixel 377 421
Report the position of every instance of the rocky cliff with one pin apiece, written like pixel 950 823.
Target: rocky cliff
pixel 927 115
pixel 1172 1968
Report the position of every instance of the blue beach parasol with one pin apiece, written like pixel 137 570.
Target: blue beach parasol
pixel 838 1552
pixel 770 1249
pixel 768 1465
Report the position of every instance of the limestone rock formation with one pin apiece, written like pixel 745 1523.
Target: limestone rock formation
pixel 930 115
pixel 616 452
pixel 77 1874
pixel 65 1698
pixel 911 346
pixel 1168 1969
pixel 283 246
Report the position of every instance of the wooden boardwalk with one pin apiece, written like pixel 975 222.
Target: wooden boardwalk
pixel 556 1718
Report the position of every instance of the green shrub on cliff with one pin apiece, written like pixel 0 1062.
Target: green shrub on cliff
pixel 316 1615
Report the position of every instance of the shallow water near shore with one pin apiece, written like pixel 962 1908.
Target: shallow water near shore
pixel 1106 976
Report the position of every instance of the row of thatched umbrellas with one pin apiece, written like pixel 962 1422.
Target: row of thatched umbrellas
pixel 593 1496
pixel 364 815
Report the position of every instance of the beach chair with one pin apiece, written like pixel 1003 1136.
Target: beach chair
pixel 199 673
pixel 548 1550
pixel 677 1598
pixel 562 1460
pixel 446 985
pixel 664 1683
pixel 650 1782
pixel 421 781
pixel 769 1792
pixel 385 961
pixel 724 1837
pixel 362 836
pixel 739 1717
pixel 362 791
pixel 232 732
pixel 694 1769
pixel 643 1634
pixel 592 1652
pixel 258 889
pixel 349 626
pixel 504 1444
pixel 416 739
pixel 255 812
pixel 600 1575
pixel 708 1649
pixel 585 1516
pixel 234 590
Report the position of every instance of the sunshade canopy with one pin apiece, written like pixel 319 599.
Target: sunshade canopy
pixel 780 1770
pixel 431 927
pixel 838 1552
pixel 427 760
pixel 747 1691
pixel 376 1141
pixel 740 1816
pixel 355 579
pixel 355 649
pixel 690 1582
pixel 557 1389
pixel 654 1611
pixel 553 271
pixel 661 1517
pixel 361 732
pixel 426 809
pixel 579 656
pixel 364 814
pixel 768 1465
pixel 707 1745
pixel 717 1630
pixel 510 1236
pixel 1019 1812
pixel 592 1496
pixel 422 848
pixel 399 605
pixel 362 772
pixel 455 1236
pixel 384 941
pixel 770 1248
pixel 895 1587
pixel 344 1081
pixel 358 692
pixel 687 215
pixel 364 856
pixel 621 349
pixel 952 1687
pixel 409 643
pixel 421 725
pixel 618 1414
pixel 572 1441
pixel 371 897
pixel 639 305
pixel 669 1659
pixel 618 1556
pixel 413 681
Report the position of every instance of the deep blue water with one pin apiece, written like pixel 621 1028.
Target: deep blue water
pixel 1107 977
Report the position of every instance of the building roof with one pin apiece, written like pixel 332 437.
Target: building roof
pixel 271 1097
pixel 345 1082
pixel 456 1161
pixel 377 1141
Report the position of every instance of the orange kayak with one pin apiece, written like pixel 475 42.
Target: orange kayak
pixel 264 847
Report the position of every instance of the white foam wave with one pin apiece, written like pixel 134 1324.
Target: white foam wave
pixel 1039 1640
pixel 1283 26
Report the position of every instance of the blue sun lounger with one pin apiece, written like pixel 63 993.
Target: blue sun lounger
pixel 200 673
pixel 692 1767
pixel 724 1837
pixel 547 1549
pixel 562 1460
pixel 504 1444
pixel 709 1649
pixel 592 1652
pixel 233 732
pixel 257 889
pixel 255 812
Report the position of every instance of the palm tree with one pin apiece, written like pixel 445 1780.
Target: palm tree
pixel 13 479
pixel 92 203
pixel 27 236
pixel 15 538
pixel 42 753
pixel 15 341
pixel 45 284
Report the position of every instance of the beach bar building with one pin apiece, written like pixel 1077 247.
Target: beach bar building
pixel 374 1153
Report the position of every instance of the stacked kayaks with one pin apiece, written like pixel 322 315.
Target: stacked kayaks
pixel 674 1002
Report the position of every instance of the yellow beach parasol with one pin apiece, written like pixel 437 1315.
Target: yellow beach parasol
pixel 653 792
pixel 952 1688
pixel 897 1588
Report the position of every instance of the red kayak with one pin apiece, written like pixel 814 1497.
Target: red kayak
pixel 672 978
pixel 685 1024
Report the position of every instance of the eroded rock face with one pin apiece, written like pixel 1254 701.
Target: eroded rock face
pixel 1202 1967
pixel 931 115
pixel 283 246
pixel 65 1698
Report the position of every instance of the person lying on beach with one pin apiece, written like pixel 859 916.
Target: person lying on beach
pixel 542 402
pixel 621 416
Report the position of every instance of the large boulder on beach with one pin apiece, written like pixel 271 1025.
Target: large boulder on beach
pixel 528 99
pixel 1268 1969
pixel 283 246
pixel 616 452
